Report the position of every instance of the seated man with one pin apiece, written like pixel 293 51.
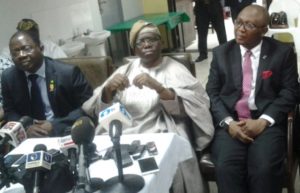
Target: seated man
pixel 252 86
pixel 47 90
pixel 50 49
pixel 160 94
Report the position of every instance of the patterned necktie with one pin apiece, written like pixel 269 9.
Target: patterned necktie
pixel 37 105
pixel 242 106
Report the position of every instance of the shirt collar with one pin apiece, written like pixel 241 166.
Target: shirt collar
pixel 147 70
pixel 255 51
pixel 41 71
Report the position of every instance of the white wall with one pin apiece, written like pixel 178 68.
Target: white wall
pixel 132 8
pixel 58 19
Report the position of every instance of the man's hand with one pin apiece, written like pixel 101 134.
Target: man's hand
pixel 118 82
pixel 145 79
pixel 235 129
pixel 41 128
pixel 253 127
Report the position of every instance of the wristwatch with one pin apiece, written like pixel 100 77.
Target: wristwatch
pixel 225 122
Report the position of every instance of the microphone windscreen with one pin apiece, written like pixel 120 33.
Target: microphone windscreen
pixel 40 147
pixel 83 131
pixel 115 112
pixel 26 121
pixel 115 128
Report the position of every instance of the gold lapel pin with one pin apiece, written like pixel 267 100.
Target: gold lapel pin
pixel 51 86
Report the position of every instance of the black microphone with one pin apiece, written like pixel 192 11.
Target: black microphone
pixel 115 132
pixel 69 148
pixel 82 133
pixel 129 183
pixel 26 121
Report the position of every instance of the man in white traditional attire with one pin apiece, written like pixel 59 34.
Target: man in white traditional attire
pixel 161 95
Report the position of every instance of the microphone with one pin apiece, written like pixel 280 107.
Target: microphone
pixel 66 143
pixel 38 161
pixel 26 121
pixel 69 148
pixel 129 183
pixel 82 133
pixel 14 132
pixel 115 112
pixel 115 130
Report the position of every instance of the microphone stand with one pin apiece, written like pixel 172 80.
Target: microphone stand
pixel 4 174
pixel 128 183
pixel 82 133
pixel 83 182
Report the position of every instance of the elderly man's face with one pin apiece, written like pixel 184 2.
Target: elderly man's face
pixel 26 54
pixel 148 47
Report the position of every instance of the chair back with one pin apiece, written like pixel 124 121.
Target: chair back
pixel 95 69
pixel 183 58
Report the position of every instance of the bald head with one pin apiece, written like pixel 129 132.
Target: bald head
pixel 251 25
pixel 258 12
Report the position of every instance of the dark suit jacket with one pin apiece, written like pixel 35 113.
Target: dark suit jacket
pixel 276 88
pixel 67 90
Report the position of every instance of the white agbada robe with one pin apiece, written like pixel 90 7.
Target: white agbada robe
pixel 152 115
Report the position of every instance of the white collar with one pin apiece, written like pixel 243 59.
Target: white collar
pixel 255 51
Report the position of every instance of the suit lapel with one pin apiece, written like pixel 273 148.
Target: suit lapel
pixel 51 82
pixel 264 60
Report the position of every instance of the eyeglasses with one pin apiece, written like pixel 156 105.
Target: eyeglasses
pixel 142 42
pixel 24 49
pixel 247 26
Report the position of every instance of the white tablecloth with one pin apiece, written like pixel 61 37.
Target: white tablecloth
pixel 172 149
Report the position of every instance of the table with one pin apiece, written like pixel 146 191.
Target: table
pixel 172 149
pixel 170 20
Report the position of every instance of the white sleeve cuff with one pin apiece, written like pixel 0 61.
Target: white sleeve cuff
pixel 268 118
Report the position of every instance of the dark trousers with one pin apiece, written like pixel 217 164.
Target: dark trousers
pixel 206 13
pixel 250 168
pixel 236 7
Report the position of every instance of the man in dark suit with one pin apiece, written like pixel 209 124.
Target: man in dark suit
pixel 47 90
pixel 252 86
pixel 207 11
pixel 237 5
